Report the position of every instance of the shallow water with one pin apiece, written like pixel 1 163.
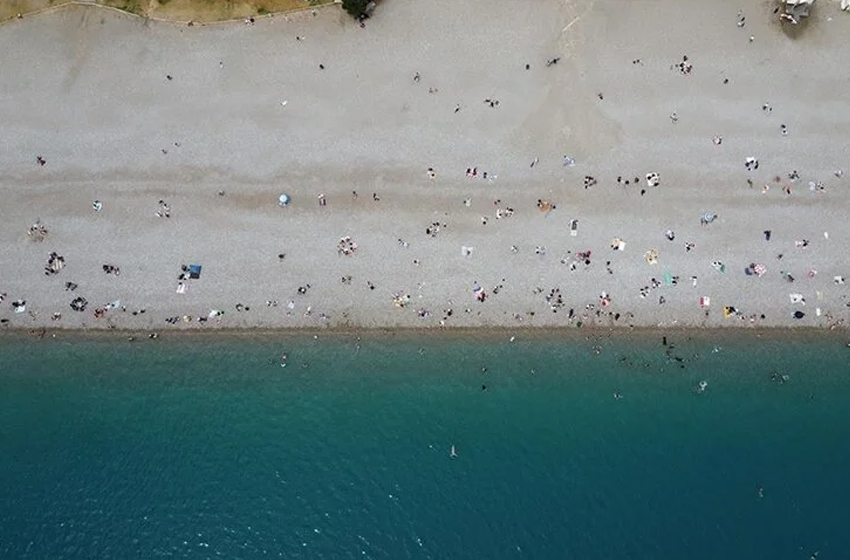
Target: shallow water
pixel 206 447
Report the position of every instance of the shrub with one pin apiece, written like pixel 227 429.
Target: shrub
pixel 357 8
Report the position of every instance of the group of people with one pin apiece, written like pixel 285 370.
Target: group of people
pixel 164 210
pixel 38 231
pixel 55 263
pixel 346 246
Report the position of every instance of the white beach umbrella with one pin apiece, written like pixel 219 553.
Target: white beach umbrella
pixel 283 200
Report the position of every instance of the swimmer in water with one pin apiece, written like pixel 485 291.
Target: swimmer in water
pixel 283 360
pixel 453 453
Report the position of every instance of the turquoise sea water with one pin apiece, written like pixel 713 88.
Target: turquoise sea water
pixel 207 448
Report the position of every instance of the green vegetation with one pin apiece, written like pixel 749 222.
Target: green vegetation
pixel 198 11
pixel 132 6
pixel 357 8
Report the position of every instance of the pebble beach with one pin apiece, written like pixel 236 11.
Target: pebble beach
pixel 582 163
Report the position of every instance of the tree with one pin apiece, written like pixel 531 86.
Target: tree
pixel 357 8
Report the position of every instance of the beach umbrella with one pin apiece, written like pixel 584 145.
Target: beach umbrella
pixel 283 200
pixel 759 269
pixel 799 314
pixel 707 217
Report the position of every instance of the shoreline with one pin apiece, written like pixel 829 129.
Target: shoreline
pixel 456 334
